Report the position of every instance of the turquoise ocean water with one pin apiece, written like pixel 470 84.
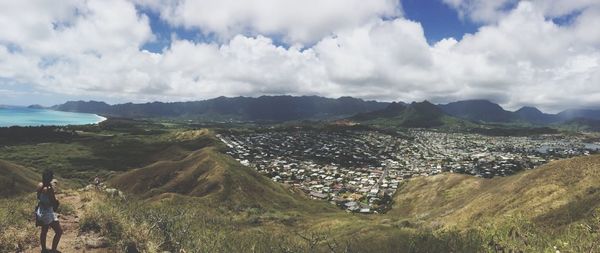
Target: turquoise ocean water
pixel 20 116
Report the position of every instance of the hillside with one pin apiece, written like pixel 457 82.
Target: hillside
pixel 581 124
pixel 579 113
pixel 16 179
pixel 264 108
pixel 555 194
pixel 421 115
pixel 214 178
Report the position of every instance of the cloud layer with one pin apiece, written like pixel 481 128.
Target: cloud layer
pixel 93 48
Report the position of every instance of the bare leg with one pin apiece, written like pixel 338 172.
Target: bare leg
pixel 43 237
pixel 57 234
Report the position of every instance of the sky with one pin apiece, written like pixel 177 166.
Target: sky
pixel 543 53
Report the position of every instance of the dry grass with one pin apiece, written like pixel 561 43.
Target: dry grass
pixel 459 200
pixel 17 230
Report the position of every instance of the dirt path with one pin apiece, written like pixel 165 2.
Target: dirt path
pixel 71 240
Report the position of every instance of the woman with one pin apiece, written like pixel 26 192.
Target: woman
pixel 45 216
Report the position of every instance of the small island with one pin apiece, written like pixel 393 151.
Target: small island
pixel 36 106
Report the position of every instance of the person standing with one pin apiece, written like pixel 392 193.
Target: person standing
pixel 45 211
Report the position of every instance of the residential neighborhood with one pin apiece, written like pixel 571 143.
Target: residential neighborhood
pixel 360 170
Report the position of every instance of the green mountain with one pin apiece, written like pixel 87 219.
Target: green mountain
pixel 534 115
pixel 479 110
pixel 417 114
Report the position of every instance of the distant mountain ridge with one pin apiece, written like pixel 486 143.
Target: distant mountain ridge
pixel 289 108
pixel 579 114
pixel 486 111
pixel 265 108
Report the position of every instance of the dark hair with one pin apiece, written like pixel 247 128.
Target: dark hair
pixel 47 177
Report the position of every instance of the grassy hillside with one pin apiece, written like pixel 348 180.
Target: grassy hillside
pixel 556 194
pixel 16 179
pixel 215 178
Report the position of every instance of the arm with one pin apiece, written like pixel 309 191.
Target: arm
pixel 40 187
pixel 53 197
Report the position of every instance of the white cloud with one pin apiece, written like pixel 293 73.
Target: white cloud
pixel 297 21
pixel 527 59
pixel 490 11
pixel 92 48
pixel 480 10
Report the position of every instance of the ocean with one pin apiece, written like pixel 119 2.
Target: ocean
pixel 22 116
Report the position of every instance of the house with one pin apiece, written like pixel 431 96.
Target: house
pixel 319 195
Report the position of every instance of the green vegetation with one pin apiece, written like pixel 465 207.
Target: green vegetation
pixel 113 146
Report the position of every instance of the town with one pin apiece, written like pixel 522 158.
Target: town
pixel 360 170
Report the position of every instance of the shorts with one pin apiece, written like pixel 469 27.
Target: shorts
pixel 45 217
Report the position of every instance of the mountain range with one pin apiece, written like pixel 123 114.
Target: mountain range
pixel 265 108
pixel 289 108
pixel 486 111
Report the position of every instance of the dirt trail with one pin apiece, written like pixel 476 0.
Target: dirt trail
pixel 71 240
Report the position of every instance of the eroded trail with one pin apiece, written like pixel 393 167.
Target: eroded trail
pixel 72 240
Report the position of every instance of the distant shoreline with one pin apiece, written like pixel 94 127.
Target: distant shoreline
pixel 101 119
pixel 15 116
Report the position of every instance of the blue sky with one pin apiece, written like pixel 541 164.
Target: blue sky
pixel 439 21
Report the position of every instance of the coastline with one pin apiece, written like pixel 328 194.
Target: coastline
pixel 35 117
pixel 100 119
